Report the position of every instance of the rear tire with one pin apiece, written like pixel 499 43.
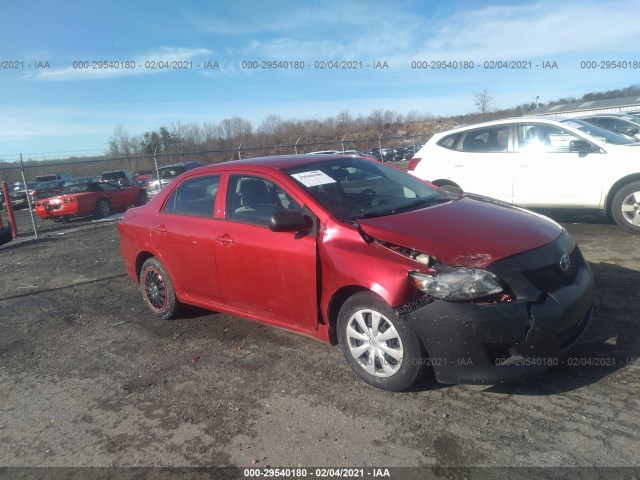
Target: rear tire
pixel 380 348
pixel 625 207
pixel 157 289
pixel 142 198
pixel 103 209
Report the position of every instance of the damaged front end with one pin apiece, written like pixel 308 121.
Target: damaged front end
pixel 518 316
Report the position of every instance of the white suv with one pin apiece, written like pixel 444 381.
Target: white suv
pixel 544 162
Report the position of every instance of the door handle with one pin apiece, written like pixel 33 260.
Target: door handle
pixel 160 229
pixel 225 239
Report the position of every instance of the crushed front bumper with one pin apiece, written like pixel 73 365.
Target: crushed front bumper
pixel 504 341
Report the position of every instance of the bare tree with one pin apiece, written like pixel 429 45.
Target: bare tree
pixel 483 102
pixel 236 129
pixel 121 143
pixel 271 125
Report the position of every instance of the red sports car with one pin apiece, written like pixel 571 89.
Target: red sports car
pixel 93 198
pixel 404 276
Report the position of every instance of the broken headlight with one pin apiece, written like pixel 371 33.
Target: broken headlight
pixel 456 283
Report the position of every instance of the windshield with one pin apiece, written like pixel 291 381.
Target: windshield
pixel 352 188
pixel 81 188
pixel 50 184
pixel 113 175
pixel 597 132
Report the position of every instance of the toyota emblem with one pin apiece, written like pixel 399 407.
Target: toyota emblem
pixel 565 262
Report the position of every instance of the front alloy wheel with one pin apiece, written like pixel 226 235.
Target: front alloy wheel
pixel 374 343
pixel 380 348
pixel 157 289
pixel 625 207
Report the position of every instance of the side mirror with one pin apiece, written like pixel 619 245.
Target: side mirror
pixel 288 221
pixel 581 146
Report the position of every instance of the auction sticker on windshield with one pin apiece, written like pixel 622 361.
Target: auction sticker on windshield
pixel 313 178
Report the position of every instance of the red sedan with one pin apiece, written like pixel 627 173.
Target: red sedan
pixel 93 198
pixel 404 276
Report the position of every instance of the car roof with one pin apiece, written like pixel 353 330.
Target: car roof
pixel 281 162
pixel 619 116
pixel 277 162
pixel 548 119
pixel 552 120
pixel 607 114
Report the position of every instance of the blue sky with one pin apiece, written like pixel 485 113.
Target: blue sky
pixel 61 110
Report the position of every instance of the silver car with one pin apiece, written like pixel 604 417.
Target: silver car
pixel 167 175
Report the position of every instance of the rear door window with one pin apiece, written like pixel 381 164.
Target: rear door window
pixel 490 140
pixel 194 197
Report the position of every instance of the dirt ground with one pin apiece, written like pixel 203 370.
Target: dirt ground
pixel 88 378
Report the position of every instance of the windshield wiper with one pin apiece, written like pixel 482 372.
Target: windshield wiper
pixel 421 202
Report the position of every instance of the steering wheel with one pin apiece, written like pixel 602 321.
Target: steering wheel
pixel 369 194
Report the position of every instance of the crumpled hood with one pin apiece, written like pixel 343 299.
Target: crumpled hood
pixel 472 231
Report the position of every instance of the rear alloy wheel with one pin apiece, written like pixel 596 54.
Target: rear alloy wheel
pixel 157 289
pixel 380 348
pixel 103 209
pixel 625 207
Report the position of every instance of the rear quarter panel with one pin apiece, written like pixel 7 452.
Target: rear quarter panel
pixel 135 238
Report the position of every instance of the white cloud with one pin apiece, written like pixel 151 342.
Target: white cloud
pixel 521 32
pixel 535 30
pixel 291 18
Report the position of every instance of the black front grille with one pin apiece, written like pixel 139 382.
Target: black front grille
pixel 551 277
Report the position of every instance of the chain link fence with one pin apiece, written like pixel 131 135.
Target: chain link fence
pixel 133 174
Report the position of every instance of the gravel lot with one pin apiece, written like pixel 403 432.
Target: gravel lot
pixel 89 378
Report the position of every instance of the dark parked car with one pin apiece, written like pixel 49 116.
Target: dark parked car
pixel 52 176
pixel 122 178
pixel 403 153
pixel 18 194
pixel 351 251
pixel 374 152
pixel 620 123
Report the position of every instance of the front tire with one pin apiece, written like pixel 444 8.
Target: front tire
pixel 379 347
pixel 157 289
pixel 625 207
